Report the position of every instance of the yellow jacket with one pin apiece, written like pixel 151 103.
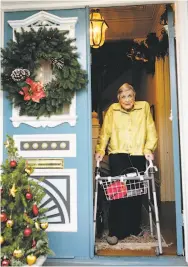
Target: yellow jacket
pixel 130 132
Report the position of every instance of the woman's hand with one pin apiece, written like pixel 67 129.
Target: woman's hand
pixel 98 156
pixel 149 156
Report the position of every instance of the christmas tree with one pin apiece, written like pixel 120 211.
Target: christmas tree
pixel 23 238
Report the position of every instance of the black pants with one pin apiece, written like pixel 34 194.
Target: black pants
pixel 125 214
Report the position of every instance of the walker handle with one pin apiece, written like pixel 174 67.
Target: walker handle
pixel 150 166
pixel 97 170
pixel 150 163
pixel 98 163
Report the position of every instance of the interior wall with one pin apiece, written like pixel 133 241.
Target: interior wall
pixel 156 90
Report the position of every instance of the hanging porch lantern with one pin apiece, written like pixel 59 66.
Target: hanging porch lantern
pixel 98 27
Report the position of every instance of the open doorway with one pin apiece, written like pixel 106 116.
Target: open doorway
pixel 112 65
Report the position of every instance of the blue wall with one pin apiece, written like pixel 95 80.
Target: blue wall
pixel 67 244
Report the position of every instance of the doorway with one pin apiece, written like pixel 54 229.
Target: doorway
pixel 112 65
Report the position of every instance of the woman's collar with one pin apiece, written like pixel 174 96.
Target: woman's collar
pixel 137 106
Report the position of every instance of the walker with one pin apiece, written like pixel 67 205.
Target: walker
pixel 130 185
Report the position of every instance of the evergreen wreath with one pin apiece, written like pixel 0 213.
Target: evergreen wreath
pixel 21 60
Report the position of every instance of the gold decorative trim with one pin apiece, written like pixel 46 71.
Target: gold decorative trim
pixel 46 163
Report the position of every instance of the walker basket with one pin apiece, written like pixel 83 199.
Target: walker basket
pixel 123 188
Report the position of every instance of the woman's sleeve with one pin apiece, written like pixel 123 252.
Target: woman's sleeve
pixel 151 133
pixel 105 132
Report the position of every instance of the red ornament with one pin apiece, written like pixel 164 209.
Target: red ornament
pixel 1 190
pixel 27 231
pixel 28 196
pixel 35 210
pixel 34 243
pixel 5 262
pixel 13 164
pixel 3 217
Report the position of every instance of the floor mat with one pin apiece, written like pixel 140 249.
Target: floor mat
pixel 133 242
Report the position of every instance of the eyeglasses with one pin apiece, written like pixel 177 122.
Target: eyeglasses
pixel 126 97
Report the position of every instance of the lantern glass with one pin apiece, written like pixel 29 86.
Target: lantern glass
pixel 98 28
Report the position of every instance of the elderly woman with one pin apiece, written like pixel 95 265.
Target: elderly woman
pixel 129 131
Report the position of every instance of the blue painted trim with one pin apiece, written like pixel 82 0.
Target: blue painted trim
pixel 120 261
pixel 90 149
pixel 175 133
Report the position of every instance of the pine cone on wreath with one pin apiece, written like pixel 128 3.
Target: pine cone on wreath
pixel 27 72
pixel 20 74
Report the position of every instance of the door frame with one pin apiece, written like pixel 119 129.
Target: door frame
pixel 175 133
pixel 181 14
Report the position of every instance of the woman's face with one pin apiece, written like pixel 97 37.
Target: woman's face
pixel 127 99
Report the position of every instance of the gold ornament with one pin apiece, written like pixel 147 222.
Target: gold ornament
pixel 9 223
pixel 37 226
pixel 28 169
pixel 44 225
pixel 13 190
pixel 31 259
pixel 2 240
pixel 18 253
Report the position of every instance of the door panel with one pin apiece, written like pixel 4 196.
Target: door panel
pixel 65 244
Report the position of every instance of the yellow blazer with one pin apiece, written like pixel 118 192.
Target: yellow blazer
pixel 131 132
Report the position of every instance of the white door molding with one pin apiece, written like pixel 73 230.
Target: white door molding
pixel 48 20
pixel 43 145
pixel 59 191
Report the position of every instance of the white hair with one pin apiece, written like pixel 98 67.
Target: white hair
pixel 125 87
